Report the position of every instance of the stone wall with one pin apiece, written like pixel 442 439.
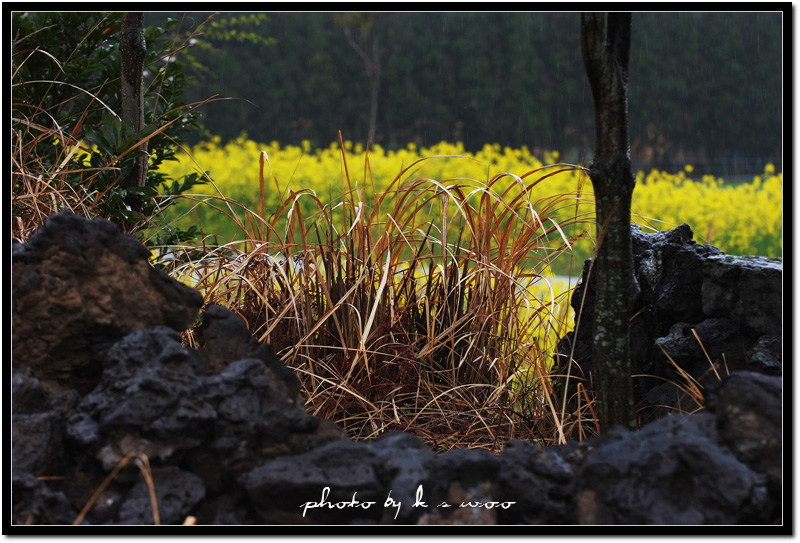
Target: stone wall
pixel 733 303
pixel 100 378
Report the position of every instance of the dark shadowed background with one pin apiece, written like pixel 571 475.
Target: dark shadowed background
pixel 705 88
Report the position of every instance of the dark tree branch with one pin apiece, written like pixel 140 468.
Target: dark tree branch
pixel 372 64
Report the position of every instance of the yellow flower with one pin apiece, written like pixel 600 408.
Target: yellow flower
pixel 661 199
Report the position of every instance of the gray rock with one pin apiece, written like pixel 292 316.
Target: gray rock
pixel 37 424
pixel 36 442
pixel 402 463
pixel 745 289
pixel 766 355
pixel 718 349
pixel 462 477
pixel 155 398
pixel 149 399
pixel 228 439
pixel 538 481
pixel 730 301
pixel 34 502
pixel 397 475
pixel 293 490
pixel 176 491
pixel 749 410
pixel 672 471
pixel 668 266
pixel 27 395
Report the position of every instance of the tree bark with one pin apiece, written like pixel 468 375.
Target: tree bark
pixel 132 52
pixel 605 46
pixel 372 64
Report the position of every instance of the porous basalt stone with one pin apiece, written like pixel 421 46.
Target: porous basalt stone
pixel 224 437
pixel 78 287
pixel 672 471
pixel 684 288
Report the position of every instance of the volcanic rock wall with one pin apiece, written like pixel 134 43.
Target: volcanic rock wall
pixel 101 380
pixel 732 303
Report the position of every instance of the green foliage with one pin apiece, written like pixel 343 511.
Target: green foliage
pixel 215 27
pixel 209 36
pixel 711 87
pixel 66 104
pixel 228 29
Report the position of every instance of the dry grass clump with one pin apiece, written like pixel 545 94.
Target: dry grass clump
pixel 425 307
pixel 40 189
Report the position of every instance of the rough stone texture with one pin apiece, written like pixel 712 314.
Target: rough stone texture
pixel 177 493
pixel 227 339
pixel 668 267
pixel 36 428
pixel 462 476
pixel 403 479
pixel 673 471
pixel 745 289
pixel 79 286
pixel 765 356
pixel 402 464
pixel 731 302
pixel 155 398
pixel 227 440
pixel 677 470
pixel 279 488
pixel 36 502
pixel 720 349
pixel 749 410
pixel 539 480
pixel 149 400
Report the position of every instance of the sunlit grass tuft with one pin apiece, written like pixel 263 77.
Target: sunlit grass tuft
pixel 425 306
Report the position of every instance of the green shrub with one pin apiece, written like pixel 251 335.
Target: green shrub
pixel 70 146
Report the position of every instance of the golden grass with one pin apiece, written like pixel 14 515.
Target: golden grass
pixel 424 307
pixel 41 189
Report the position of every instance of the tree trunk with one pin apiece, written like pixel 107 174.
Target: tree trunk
pixel 132 52
pixel 375 87
pixel 372 63
pixel 605 45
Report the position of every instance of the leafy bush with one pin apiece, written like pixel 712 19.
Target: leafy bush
pixel 70 146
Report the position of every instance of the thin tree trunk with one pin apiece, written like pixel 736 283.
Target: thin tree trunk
pixel 375 84
pixel 373 66
pixel 132 52
pixel 605 45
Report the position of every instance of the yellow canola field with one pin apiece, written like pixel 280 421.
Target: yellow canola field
pixel 743 218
